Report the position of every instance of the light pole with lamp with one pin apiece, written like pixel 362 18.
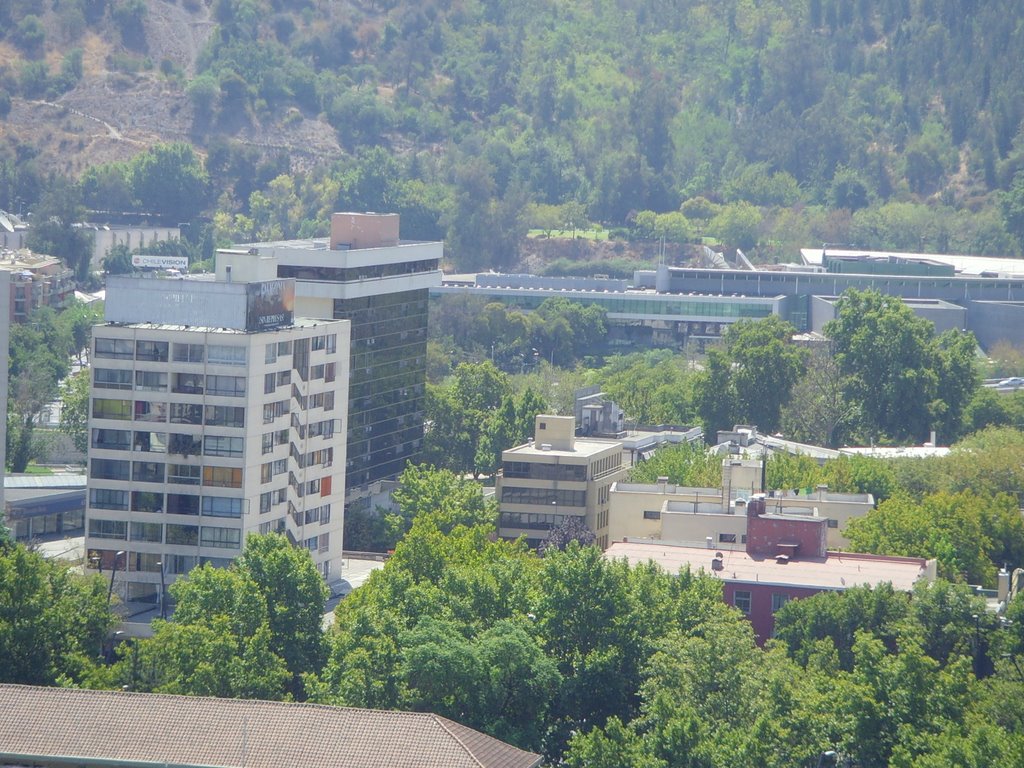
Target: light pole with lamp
pixel 163 591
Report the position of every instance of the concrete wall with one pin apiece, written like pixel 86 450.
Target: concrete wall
pixel 995 321
pixel 363 230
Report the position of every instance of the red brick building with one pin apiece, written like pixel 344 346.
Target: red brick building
pixel 784 559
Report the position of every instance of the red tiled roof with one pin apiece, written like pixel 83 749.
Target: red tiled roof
pixel 131 728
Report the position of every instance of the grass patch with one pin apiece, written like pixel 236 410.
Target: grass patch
pixel 35 469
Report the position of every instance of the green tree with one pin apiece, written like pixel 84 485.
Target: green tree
pixel 448 499
pixel 54 228
pixel 170 180
pixel 53 622
pixel 74 411
pixel 684 464
pixel 959 530
pixel 294 592
pixel 765 366
pixel 818 411
pixel 254 629
pixel 715 399
pixel 903 380
pixel 118 260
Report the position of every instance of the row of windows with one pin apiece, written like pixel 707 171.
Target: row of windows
pixel 546 497
pixel 176 413
pixel 162 442
pixel 530 521
pixel 157 351
pixel 158 472
pixel 743 600
pixel 350 274
pixel 172 503
pixel 545 471
pixel 172 533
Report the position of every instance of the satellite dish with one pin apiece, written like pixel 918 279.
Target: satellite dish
pixel 5 223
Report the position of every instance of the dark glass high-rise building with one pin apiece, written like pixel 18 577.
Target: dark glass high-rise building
pixel 364 273
pixel 387 383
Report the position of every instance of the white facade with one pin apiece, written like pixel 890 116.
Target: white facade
pixel 200 436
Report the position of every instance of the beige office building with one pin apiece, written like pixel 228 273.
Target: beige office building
pixel 554 476
pixel 214 414
pixel 717 516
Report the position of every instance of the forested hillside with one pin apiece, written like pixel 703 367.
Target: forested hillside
pixel 773 124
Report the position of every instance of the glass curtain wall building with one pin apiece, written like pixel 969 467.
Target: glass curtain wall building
pixel 365 274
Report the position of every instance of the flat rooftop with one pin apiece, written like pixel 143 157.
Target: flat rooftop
pixel 965 265
pixel 584 446
pixel 837 571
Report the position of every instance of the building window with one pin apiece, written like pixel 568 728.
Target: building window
pixel 183 474
pixel 265 502
pixel 109 469
pixel 778 600
pixel 150 442
pixel 318 342
pixel 224 538
pixel 221 506
pixel 111 409
pixel 147 471
pixel 187 535
pixel 151 381
pixel 150 411
pixel 186 413
pixel 108 529
pixel 146 501
pixel 727 538
pixel 269 383
pixel 104 498
pixel 741 599
pixel 284 347
pixel 225 416
pixel 223 354
pixel 222 477
pixel 215 445
pixel 112 439
pixel 152 532
pixel 187 383
pixel 188 353
pixel 111 378
pixel 181 564
pixel 185 445
pixel 227 386
pixel 652 514
pixel 271 353
pixel 833 523
pixel 117 349
pixel 151 351
pixel 182 504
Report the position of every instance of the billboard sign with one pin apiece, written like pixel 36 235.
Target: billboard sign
pixel 151 261
pixel 269 304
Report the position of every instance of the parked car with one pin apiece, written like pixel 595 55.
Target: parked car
pixel 1013 381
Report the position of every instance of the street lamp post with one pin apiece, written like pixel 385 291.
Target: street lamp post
pixel 113 572
pixel 163 591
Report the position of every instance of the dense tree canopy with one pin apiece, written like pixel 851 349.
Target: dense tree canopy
pixel 903 379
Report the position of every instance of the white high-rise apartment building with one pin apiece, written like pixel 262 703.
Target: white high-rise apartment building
pixel 214 414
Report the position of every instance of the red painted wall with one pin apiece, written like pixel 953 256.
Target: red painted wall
pixel 765 533
pixel 761 616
